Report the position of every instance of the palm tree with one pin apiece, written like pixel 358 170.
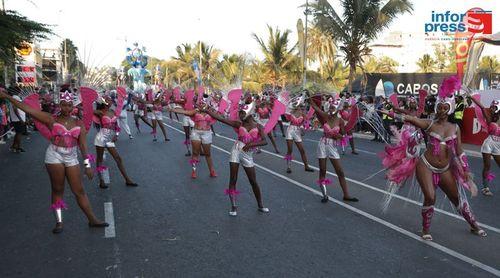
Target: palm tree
pixel 358 25
pixel 277 54
pixel 488 65
pixel 209 60
pixel 382 65
pixel 320 47
pixel 426 64
pixel 336 73
pixel 185 74
pixel 256 76
pixel 230 69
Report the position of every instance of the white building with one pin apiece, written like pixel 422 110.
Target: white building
pixel 405 48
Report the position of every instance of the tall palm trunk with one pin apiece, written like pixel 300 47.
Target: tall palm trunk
pixel 352 74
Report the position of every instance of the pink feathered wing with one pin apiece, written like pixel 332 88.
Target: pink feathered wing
pixel 200 91
pixel 353 118
pixel 222 106
pixel 394 100
pixel 177 93
pixel 149 95
pixel 188 96
pixel 278 110
pixel 34 102
pixel 121 94
pixel 479 112
pixel 422 94
pixel 168 95
pixel 234 99
pixel 88 97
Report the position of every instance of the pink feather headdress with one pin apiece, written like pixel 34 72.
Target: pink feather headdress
pixel 333 101
pixel 249 108
pixel 447 91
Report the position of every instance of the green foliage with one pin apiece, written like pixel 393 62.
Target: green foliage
pixel 15 30
pixel 426 64
pixel 278 55
pixel 358 25
pixel 383 64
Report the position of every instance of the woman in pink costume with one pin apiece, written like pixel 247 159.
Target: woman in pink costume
pixel 66 135
pixel 443 164
pixel 333 128
pixel 297 118
pixel 155 114
pixel 490 120
pixel 105 139
pixel 201 135
pixel 348 137
pixel 263 112
pixel 250 135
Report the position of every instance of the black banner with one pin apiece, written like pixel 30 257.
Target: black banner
pixel 406 83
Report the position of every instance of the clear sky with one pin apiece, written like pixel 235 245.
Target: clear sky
pixel 102 27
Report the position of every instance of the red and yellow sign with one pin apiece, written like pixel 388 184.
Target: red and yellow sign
pixel 25 49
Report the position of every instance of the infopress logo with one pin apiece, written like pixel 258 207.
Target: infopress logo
pixel 475 20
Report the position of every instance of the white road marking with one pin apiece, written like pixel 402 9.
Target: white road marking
pixel 435 245
pixel 109 218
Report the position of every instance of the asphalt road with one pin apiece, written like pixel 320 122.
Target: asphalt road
pixel 174 226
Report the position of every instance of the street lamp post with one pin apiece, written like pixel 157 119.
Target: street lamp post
pixel 304 62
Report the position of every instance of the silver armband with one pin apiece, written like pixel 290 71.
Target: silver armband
pixel 86 163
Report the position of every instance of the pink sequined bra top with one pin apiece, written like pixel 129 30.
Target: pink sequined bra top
pixel 246 136
pixel 203 121
pixel 263 112
pixel 437 141
pixel 108 122
pixel 62 137
pixel 330 132
pixel 493 129
pixel 158 107
pixel 296 121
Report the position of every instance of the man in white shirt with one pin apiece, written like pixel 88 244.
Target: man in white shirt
pixel 18 119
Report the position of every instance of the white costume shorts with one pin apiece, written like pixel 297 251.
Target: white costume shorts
pixel 263 122
pixel 61 155
pixel 186 121
pixel 293 132
pixel 104 138
pixel 327 148
pixel 491 145
pixel 239 156
pixel 205 136
pixel 155 115
pixel 137 111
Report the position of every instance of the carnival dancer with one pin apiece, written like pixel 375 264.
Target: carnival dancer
pixel 297 118
pixel 250 136
pixel 201 135
pixel 139 113
pixel 263 112
pixel 105 139
pixel 490 120
pixel 443 164
pixel 66 135
pixel 333 130
pixel 187 104
pixel 155 114
pixel 172 105
pixel 348 137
